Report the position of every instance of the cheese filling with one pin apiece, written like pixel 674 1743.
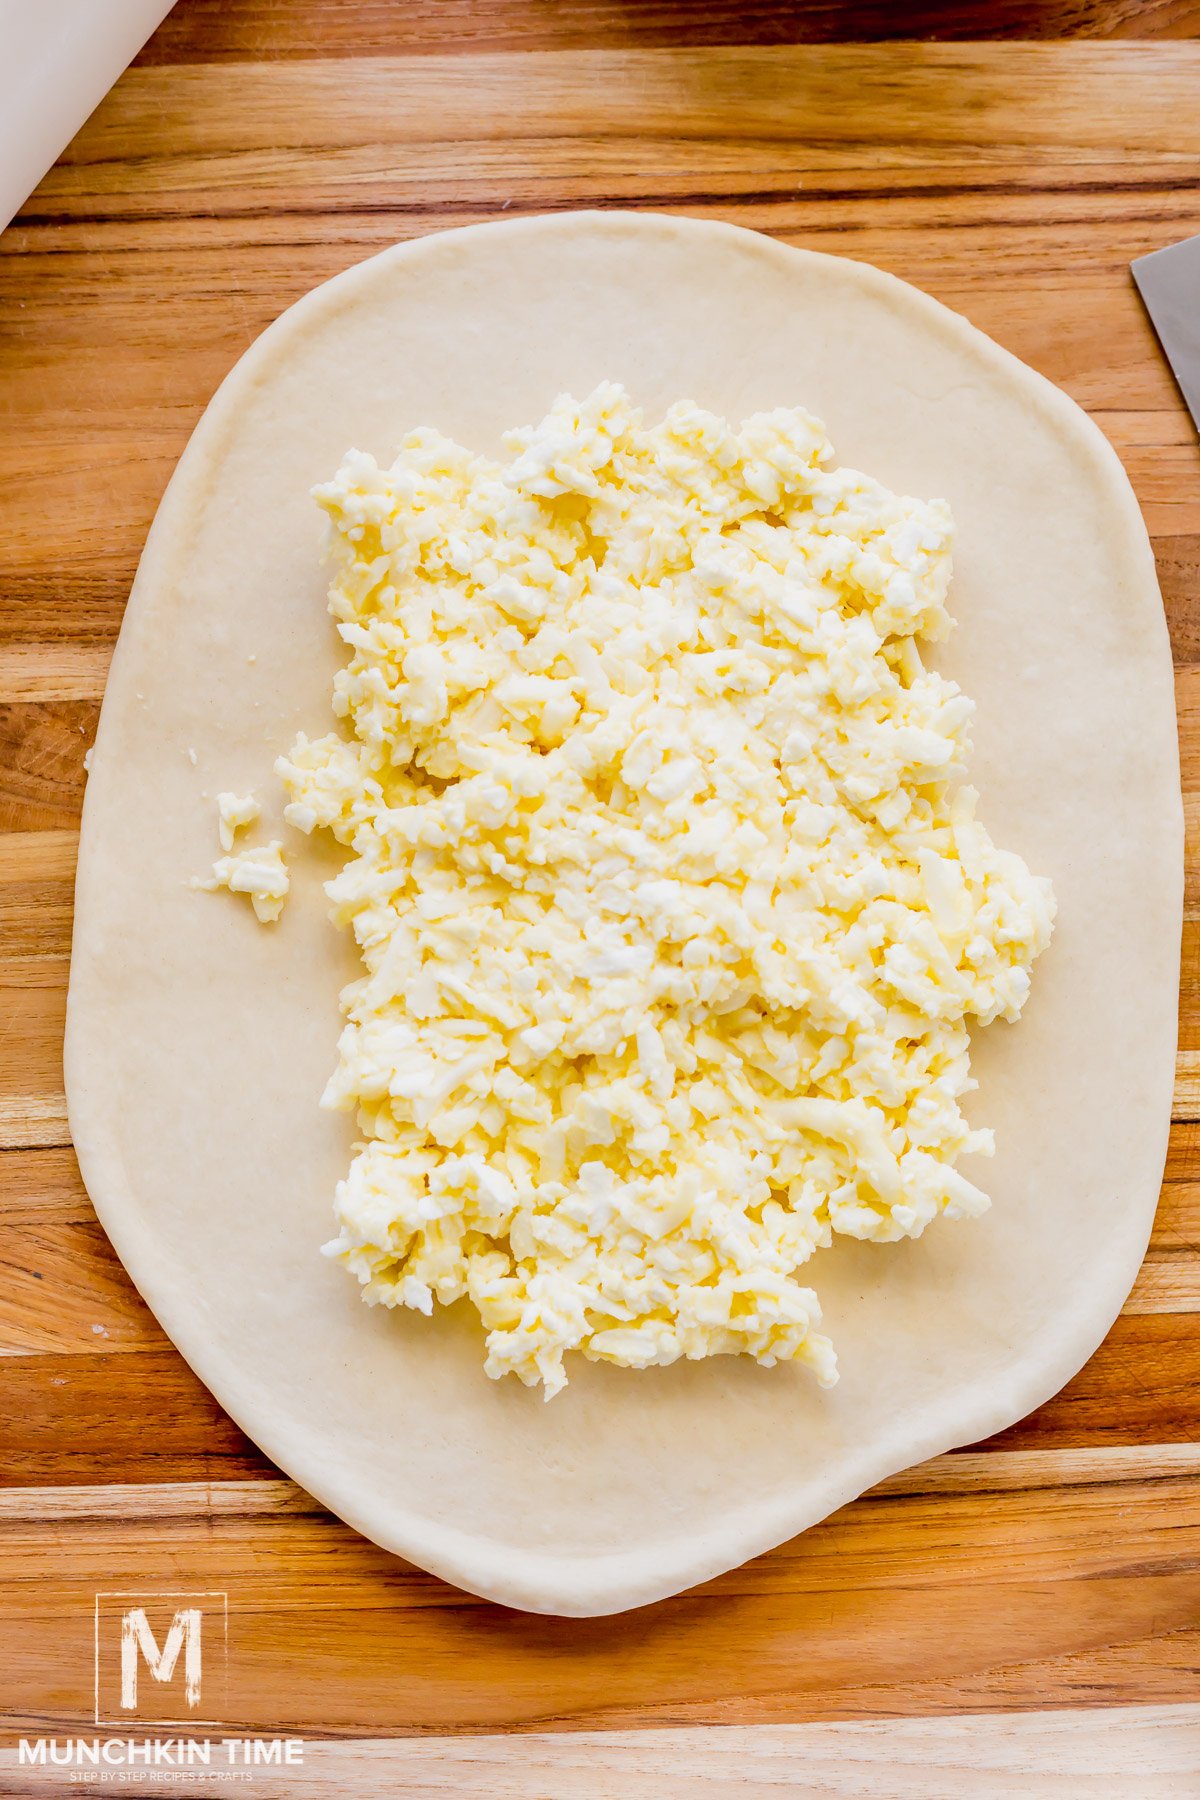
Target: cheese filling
pixel 673 907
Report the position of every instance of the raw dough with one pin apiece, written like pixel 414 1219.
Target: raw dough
pixel 197 1042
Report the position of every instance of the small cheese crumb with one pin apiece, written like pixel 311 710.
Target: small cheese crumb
pixel 237 811
pixel 259 871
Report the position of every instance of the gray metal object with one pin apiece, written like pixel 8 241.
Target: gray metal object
pixel 1169 283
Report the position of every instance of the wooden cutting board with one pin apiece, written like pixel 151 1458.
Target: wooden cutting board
pixel 1054 1567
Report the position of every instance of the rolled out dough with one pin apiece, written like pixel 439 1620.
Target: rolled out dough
pixel 198 1041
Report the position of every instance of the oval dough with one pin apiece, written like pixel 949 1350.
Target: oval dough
pixel 198 1041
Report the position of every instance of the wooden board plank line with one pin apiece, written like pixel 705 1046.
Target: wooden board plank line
pixel 33 1121
pixel 959 1472
pixel 1042 188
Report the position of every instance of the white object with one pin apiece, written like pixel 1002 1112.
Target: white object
pixel 60 59
pixel 197 1044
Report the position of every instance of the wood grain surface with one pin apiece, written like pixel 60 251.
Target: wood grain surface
pixel 255 150
pixel 216 30
pixel 1124 1753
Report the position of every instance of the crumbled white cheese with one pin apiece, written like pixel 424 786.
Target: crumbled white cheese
pixel 259 871
pixel 673 907
pixel 234 813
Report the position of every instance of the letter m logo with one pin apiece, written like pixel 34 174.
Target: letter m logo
pixel 138 1641
pixel 160 1658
